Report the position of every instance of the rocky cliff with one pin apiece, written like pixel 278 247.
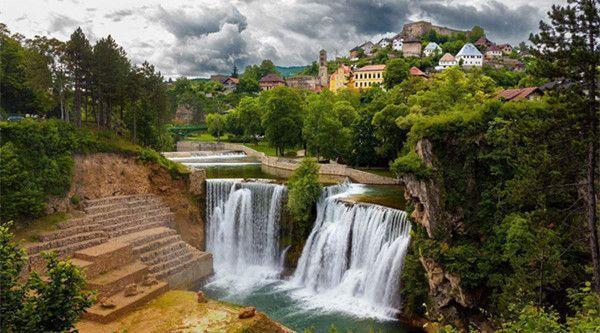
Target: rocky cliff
pixel 101 175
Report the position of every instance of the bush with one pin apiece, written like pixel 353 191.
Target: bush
pixel 39 305
pixel 411 164
pixel 304 192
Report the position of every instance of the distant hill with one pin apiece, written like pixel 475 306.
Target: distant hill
pixel 289 71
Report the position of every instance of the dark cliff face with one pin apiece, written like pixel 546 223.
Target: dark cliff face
pixel 447 298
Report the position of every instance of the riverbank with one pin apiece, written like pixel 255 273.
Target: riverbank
pixel 180 311
pixel 283 167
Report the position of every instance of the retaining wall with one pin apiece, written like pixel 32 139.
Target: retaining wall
pixel 284 167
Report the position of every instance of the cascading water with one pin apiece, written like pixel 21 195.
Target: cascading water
pixel 243 228
pixel 354 255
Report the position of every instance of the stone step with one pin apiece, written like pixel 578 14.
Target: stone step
pixel 106 256
pixel 67 232
pixel 112 216
pixel 168 218
pixel 140 207
pixel 74 222
pixel 173 262
pixel 115 280
pixel 145 236
pixel 131 204
pixel 81 264
pixel 62 242
pixel 124 304
pixel 164 253
pixel 193 261
pixel 63 251
pixel 116 232
pixel 133 217
pixel 117 199
pixel 155 244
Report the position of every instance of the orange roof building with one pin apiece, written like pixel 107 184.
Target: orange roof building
pixel 367 76
pixel 520 94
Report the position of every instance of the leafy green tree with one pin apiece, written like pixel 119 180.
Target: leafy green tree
pixel 282 117
pixel 39 305
pixel 345 112
pixel 323 131
pixel 304 190
pixel 216 125
pixel 396 71
pixel 568 49
pixel 250 117
pixel 476 33
pixel 387 132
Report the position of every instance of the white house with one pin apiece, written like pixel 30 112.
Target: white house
pixel 493 51
pixel 469 56
pixel 397 43
pixel 384 42
pixel 447 60
pixel 367 47
pixel 431 49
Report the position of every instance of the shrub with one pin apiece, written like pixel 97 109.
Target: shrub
pixel 411 164
pixel 304 192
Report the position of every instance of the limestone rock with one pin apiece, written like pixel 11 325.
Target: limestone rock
pixel 248 312
pixel 201 297
pixel 131 290
pixel 107 303
pixel 149 280
pixel 197 179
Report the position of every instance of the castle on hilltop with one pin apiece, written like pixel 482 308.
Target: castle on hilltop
pixel 417 29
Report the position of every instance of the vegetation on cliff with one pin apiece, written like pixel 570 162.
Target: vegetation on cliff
pixel 304 190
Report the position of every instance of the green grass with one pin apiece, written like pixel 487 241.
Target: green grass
pixel 205 137
pixel 379 172
pixel 262 147
pixel 29 231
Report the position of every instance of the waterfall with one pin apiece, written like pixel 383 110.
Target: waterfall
pixel 354 252
pixel 243 227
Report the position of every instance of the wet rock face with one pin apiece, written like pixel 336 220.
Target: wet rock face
pixel 444 287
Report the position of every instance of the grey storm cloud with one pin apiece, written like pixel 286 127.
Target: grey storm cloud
pixel 200 22
pixel 61 23
pixel 118 15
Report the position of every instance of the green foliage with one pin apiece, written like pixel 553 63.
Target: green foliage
pixel 396 71
pixel 282 117
pixel 39 305
pixel 323 131
pixel 304 190
pixel 411 164
pixel 216 125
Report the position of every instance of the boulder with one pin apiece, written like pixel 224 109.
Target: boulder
pixel 248 312
pixel 149 280
pixel 131 290
pixel 201 297
pixel 107 303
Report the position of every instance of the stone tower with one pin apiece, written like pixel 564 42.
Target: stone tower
pixel 323 75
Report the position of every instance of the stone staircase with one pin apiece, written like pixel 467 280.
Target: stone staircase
pixel 121 241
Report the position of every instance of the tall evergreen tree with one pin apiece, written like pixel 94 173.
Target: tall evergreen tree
pixel 567 49
pixel 77 53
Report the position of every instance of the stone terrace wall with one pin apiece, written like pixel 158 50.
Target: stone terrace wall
pixel 284 167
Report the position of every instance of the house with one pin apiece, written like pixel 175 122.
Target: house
pixel 432 49
pixel 483 42
pixel 493 51
pixel 384 42
pixel 304 82
pixel 506 48
pixel 411 47
pixel 340 78
pixel 469 56
pixel 231 83
pixel 414 71
pixel 366 47
pixel 397 42
pixel 270 81
pixel 447 60
pixel 218 78
pixel 520 94
pixel 367 76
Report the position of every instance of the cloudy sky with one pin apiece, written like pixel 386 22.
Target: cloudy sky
pixel 200 37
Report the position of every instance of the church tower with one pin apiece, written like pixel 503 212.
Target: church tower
pixel 323 75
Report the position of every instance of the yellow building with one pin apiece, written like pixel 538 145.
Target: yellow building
pixel 340 78
pixel 367 76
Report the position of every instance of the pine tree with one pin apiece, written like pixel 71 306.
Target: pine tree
pixel 78 51
pixel 567 49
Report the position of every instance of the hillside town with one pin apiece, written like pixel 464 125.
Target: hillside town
pixel 421 43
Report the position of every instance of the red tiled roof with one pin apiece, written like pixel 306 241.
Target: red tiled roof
pixel 494 48
pixel 518 94
pixel 370 68
pixel 233 80
pixel 483 41
pixel 414 71
pixel 447 58
pixel 271 77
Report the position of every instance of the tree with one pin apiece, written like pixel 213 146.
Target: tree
pixel 568 49
pixel 476 33
pixel 235 71
pixel 387 132
pixel 77 55
pixel 38 305
pixel 282 117
pixel 304 190
pixel 345 112
pixel 216 125
pixel 249 117
pixel 322 130
pixel 396 71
